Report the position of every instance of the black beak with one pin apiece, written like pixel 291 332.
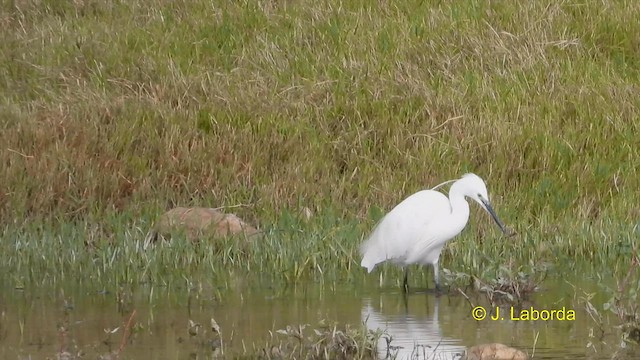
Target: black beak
pixel 487 205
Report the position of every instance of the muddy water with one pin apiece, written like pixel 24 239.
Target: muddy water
pixel 43 323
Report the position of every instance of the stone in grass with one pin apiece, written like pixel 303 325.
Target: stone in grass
pixel 494 351
pixel 197 223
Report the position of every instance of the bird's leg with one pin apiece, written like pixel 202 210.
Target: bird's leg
pixel 436 276
pixel 405 282
pixel 405 300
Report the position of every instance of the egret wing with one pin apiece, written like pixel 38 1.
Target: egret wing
pixel 408 227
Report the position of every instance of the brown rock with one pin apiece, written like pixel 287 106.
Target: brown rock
pixel 198 222
pixel 494 351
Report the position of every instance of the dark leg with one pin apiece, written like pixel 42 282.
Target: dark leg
pixel 405 282
pixel 436 276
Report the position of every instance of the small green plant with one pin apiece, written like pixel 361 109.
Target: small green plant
pixel 623 304
pixel 326 342
pixel 501 285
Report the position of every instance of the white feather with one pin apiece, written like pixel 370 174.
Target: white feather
pixel 416 230
pixel 417 220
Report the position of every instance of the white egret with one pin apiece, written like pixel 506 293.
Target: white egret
pixel 416 230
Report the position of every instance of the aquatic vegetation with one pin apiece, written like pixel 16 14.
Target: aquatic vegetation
pixel 512 287
pixel 205 340
pixel 500 285
pixel 623 304
pixel 327 342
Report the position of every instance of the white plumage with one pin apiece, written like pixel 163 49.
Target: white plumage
pixel 417 229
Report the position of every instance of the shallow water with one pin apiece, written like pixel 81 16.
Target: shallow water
pixel 420 325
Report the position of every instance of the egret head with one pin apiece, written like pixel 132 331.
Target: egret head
pixel 474 187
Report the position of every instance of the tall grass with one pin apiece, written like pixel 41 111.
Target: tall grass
pixel 141 105
pixel 111 112
pixel 323 251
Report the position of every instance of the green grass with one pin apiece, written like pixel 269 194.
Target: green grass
pixel 111 113
pixel 136 106
pixel 292 251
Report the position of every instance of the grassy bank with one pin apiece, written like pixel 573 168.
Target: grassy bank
pixel 110 113
pixel 137 106
pixel 291 252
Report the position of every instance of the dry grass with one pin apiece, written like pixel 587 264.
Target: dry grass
pixel 139 106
